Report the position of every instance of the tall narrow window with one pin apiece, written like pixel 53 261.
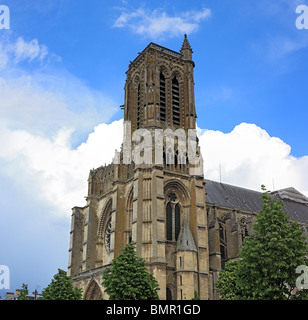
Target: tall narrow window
pixel 175 101
pixel 138 107
pixel 162 89
pixel 108 235
pixel 223 244
pixel 177 220
pixel 169 221
pixel 181 262
pixel 173 218
pixel 244 233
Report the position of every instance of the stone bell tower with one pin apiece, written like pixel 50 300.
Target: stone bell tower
pixel 158 204
pixel 169 196
pixel 159 90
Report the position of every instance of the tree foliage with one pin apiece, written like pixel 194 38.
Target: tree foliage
pixel 268 258
pixel 227 284
pixel 24 292
pixel 196 296
pixel 128 279
pixel 61 288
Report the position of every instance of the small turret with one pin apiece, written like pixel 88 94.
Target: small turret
pixel 186 263
pixel 185 240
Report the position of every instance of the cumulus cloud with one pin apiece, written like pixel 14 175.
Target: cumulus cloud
pixel 44 117
pixel 58 173
pixel 158 23
pixel 249 157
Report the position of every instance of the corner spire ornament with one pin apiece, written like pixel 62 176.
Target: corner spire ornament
pixel 186 44
pixel 186 50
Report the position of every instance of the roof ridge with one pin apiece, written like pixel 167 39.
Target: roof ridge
pixel 231 185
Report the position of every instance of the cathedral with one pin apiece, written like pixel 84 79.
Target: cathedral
pixel 185 226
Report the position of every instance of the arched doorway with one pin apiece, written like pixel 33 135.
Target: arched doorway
pixel 93 292
pixel 168 294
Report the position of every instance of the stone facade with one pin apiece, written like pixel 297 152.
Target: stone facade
pixel 160 207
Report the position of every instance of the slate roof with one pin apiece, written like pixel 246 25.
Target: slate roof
pixel 221 194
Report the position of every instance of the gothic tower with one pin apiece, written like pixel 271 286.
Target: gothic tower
pixel 153 194
pixel 159 90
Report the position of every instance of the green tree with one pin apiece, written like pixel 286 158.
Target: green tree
pixel 128 279
pixel 227 282
pixel 196 296
pixel 268 259
pixel 24 292
pixel 271 255
pixel 61 288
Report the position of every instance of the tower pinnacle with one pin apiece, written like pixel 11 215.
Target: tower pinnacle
pixel 186 50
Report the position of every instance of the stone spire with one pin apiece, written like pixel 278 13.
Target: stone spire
pixel 185 240
pixel 186 50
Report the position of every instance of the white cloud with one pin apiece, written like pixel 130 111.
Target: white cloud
pixel 12 53
pixel 42 102
pixel 42 114
pixel 39 115
pixel 58 173
pixel 45 103
pixel 249 157
pixel 158 23
pixel 29 50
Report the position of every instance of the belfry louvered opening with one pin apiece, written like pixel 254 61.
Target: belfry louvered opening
pixel 138 107
pixel 175 101
pixel 162 89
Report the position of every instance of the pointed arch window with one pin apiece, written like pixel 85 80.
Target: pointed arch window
pixel 244 230
pixel 108 231
pixel 175 101
pixel 223 244
pixel 104 242
pixel 169 221
pixel 177 224
pixel 93 292
pixel 168 294
pixel 173 218
pixel 129 218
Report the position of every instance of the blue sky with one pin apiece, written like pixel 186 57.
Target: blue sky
pixel 62 75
